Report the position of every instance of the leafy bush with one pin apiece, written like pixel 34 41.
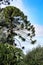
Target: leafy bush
pixel 35 57
pixel 10 55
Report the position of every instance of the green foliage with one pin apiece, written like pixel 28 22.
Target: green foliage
pixel 35 57
pixel 10 55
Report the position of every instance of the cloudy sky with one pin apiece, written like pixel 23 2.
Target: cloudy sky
pixel 34 10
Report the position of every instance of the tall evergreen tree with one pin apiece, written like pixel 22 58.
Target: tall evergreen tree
pixel 14 22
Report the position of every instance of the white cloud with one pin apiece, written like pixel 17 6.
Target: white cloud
pixel 39 30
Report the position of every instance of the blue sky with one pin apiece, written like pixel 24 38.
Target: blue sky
pixel 34 10
pixel 35 7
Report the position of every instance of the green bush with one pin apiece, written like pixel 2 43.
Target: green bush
pixel 10 55
pixel 35 57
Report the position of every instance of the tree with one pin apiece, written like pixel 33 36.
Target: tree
pixel 15 22
pixel 35 57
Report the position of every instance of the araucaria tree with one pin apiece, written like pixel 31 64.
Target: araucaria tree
pixel 13 23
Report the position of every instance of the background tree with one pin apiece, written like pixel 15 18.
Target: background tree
pixel 35 57
pixel 16 22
